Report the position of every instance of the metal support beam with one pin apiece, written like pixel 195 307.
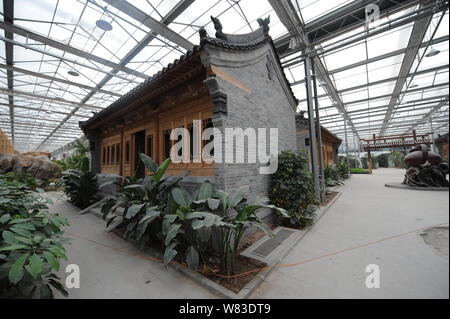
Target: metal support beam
pixel 331 89
pixel 364 86
pixel 40 110
pixel 411 120
pixel 433 146
pixel 354 151
pixel 151 23
pixel 288 16
pixel 61 57
pixel 179 8
pixel 343 19
pixel 429 114
pixel 8 16
pixel 319 135
pixel 417 35
pixel 378 111
pixel 396 125
pixel 66 48
pixel 312 130
pixel 52 78
pixel 346 144
pixel 38 119
pixel 29 127
pixel 442 39
pixel 350 17
pixel 385 96
pixel 47 98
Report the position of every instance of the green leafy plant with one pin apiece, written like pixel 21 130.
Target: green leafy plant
pixel 332 176
pixel 343 170
pixel 137 206
pixel 397 157
pixel 239 215
pixel 292 189
pixel 359 171
pixel 31 243
pixel 158 208
pixel 24 178
pixel 375 163
pixel 189 228
pixel 383 160
pixel 80 185
pixel 365 163
pixel 76 160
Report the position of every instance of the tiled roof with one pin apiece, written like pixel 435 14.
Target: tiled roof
pixel 139 88
pixel 244 42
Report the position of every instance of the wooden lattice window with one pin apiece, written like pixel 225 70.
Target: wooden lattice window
pixel 150 145
pixel 127 152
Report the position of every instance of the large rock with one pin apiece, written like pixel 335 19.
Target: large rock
pixel 39 167
pixel 107 190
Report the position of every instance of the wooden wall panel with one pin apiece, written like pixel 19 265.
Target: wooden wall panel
pixel 154 123
pixel 110 154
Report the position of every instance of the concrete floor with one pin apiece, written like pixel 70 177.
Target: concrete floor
pixel 112 272
pixel 367 212
pixel 386 223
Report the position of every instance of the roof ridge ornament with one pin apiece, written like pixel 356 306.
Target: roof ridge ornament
pixel 218 26
pixel 257 36
pixel 264 23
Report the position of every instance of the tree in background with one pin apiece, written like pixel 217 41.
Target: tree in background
pixel 383 160
pixel 397 157
pixel 75 161
pixel 292 188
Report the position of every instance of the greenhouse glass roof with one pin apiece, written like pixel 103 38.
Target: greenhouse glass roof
pixel 62 60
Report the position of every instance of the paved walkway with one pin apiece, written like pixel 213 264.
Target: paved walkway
pixel 366 213
pixel 387 220
pixel 107 270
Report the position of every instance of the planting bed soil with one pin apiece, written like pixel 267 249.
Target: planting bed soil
pixel 212 269
pixel 329 197
pixel 242 265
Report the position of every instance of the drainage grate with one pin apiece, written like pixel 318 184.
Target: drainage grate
pixel 271 244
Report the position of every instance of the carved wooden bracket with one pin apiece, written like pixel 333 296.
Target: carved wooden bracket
pixel 218 97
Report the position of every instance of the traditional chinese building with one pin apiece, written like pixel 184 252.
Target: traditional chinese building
pixel 230 81
pixel 6 147
pixel 330 142
pixel 442 145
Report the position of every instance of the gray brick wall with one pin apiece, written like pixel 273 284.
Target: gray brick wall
pixel 267 106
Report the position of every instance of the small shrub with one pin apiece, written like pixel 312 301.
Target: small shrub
pixel 375 162
pixel 343 170
pixel 359 171
pixel 24 178
pixel 332 176
pixel 365 163
pixel 31 243
pixel 80 185
pixel 292 188
pixel 74 161
pixel 239 215
pixel 383 160
pixel 397 157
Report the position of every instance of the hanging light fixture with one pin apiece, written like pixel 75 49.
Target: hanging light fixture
pixel 104 25
pixel 73 73
pixel 413 85
pixel 433 52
